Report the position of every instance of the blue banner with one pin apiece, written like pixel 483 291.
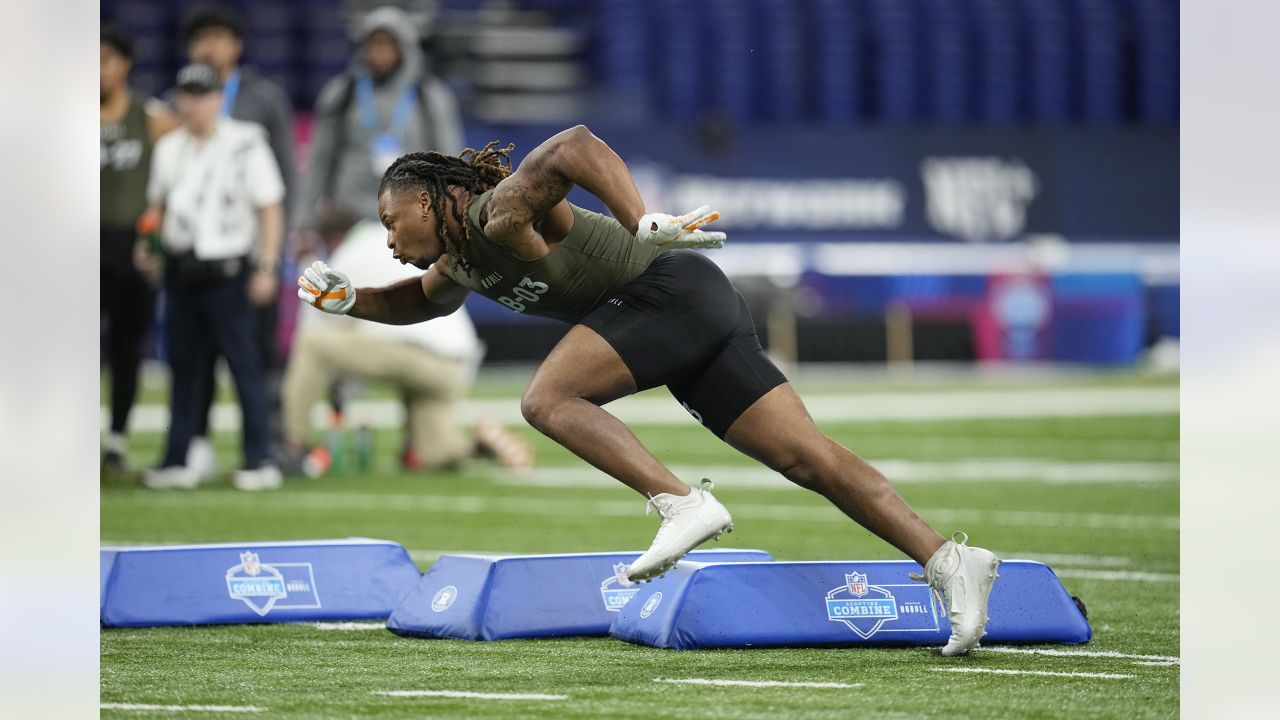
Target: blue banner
pixel 524 596
pixel 347 579
pixel 840 184
pixel 836 603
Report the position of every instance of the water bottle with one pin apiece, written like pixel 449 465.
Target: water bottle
pixel 336 441
pixel 364 448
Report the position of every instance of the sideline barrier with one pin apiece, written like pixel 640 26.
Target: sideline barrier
pixel 349 579
pixel 474 597
pixel 836 603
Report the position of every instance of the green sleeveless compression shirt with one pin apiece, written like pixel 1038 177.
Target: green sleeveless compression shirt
pixel 125 161
pixel 591 263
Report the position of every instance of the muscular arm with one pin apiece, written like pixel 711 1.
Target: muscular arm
pixel 412 300
pixel 572 157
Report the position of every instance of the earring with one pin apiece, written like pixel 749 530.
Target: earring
pixel 424 215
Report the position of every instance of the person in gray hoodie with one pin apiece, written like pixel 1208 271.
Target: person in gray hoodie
pixel 387 104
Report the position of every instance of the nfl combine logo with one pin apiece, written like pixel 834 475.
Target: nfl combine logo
pixel 617 589
pixel 278 586
pixel 864 608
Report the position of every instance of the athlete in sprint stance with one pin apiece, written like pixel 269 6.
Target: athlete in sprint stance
pixel 645 312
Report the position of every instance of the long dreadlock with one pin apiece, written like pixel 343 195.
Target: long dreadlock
pixel 474 170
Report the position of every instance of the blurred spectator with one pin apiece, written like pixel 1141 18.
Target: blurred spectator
pixel 129 125
pixel 216 187
pixel 386 105
pixel 215 37
pixel 432 364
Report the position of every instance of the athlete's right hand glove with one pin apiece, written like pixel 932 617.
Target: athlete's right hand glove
pixel 327 289
pixel 680 231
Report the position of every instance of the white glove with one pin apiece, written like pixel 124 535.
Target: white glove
pixel 327 289
pixel 680 231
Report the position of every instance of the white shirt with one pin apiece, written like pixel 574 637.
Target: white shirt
pixel 211 192
pixel 364 257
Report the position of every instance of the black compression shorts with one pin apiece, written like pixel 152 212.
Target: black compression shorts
pixel 683 325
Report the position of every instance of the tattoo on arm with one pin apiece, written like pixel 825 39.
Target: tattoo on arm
pixel 525 197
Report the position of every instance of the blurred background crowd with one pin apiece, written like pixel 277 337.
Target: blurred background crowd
pixel 976 181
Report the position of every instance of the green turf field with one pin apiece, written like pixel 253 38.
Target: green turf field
pixel 1094 496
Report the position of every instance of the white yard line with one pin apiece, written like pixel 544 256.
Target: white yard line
pixel 754 683
pixel 549 507
pixel 1123 575
pixel 468 695
pixel 1038 673
pixel 1143 659
pixel 1026 470
pixel 141 707
pixel 1097 561
pixel 347 626
pixel 653 408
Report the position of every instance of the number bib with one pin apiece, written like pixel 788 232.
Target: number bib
pixel 526 292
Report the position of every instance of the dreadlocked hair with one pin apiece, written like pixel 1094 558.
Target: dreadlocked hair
pixel 474 170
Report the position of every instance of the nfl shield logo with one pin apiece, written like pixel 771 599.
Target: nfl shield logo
pixel 857 584
pixel 620 574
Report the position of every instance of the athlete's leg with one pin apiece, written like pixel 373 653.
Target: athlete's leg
pixel 778 431
pixel 563 402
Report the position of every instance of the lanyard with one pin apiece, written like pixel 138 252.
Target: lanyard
pixel 369 114
pixel 229 91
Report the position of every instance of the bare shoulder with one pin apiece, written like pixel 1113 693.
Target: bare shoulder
pixel 443 267
pixel 441 285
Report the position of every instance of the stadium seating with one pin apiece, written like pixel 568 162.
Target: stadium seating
pixel 835 61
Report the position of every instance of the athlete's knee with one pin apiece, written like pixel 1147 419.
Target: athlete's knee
pixel 538 405
pixel 809 465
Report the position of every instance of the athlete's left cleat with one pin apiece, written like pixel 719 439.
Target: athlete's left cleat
pixel 687 522
pixel 962 576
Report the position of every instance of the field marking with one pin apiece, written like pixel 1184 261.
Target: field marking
pixel 346 626
pixel 1125 575
pixel 1039 673
pixel 142 707
pixel 468 695
pixel 549 507
pixel 1143 659
pixel 754 683
pixel 1096 561
pixel 1025 470
pixel 659 408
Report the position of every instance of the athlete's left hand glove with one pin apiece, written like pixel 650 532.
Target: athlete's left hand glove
pixel 327 289
pixel 680 231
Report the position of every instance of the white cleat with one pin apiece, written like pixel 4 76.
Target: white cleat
pixel 173 477
pixel 687 522
pixel 267 477
pixel 962 577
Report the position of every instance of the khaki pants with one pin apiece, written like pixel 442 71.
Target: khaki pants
pixel 433 386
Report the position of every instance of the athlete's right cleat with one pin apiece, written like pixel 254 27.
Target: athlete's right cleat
pixel 962 577
pixel 687 522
